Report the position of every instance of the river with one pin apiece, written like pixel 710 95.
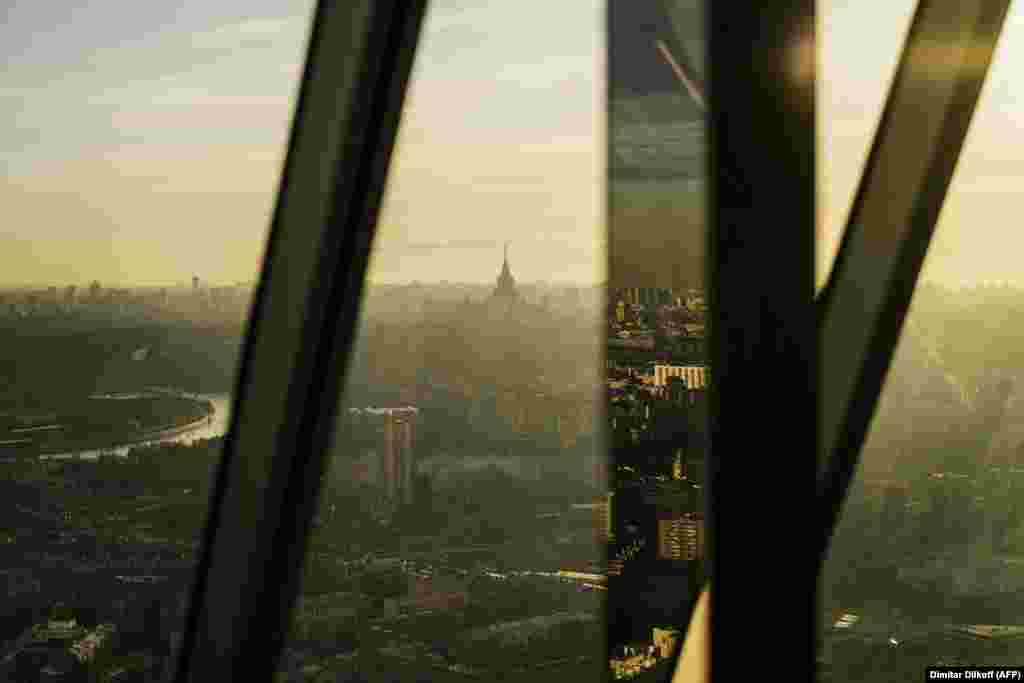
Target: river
pixel 216 425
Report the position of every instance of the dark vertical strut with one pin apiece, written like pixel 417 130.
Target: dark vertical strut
pixel 912 159
pixel 302 325
pixel 763 346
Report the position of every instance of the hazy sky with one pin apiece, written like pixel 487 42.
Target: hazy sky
pixel 977 237
pixel 142 143
pixel 502 139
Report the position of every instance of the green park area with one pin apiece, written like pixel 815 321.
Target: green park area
pixel 159 491
pixel 47 367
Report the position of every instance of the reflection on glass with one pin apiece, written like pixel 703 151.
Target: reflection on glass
pixel 141 147
pixel 461 511
pixel 657 373
pixel 925 566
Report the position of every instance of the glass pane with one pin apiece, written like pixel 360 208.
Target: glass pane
pixel 141 148
pixel 853 83
pixel 455 535
pixel 656 357
pixel 924 568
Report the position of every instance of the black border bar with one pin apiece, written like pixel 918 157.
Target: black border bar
pixel 863 306
pixel 302 324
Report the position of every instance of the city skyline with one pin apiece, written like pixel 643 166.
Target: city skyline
pixel 181 120
pixel 185 129
pixel 186 283
pixel 511 476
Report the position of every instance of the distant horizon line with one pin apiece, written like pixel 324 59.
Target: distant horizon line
pixel 229 283
pixel 41 286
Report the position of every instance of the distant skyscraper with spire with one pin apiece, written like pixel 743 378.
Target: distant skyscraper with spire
pixel 506 287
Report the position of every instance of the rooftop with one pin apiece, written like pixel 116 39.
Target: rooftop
pixel 991 631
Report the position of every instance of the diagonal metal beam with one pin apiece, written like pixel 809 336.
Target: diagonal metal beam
pixel 302 325
pixel 863 306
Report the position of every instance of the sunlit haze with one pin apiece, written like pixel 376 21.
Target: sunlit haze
pixel 147 150
pixel 977 238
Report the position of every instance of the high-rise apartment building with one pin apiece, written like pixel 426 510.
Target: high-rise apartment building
pixel 648 297
pixel 665 640
pixel 695 376
pixel 681 537
pixel 398 453
pixel 386 441
pixel 604 528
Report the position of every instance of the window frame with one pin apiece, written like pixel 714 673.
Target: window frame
pixel 301 328
pixel 761 162
pixel 852 335
pixel 865 301
pixel 760 255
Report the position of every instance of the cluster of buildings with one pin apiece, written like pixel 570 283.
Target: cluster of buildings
pixel 382 447
pixel 54 648
pixel 134 640
pixel 438 429
pixel 419 301
pixel 525 429
pixel 634 659
pixel 651 515
pixel 97 302
pixel 664 520
pixel 636 315
pixel 384 440
pixel 657 380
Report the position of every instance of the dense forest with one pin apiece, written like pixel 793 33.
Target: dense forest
pixel 938 488
pixel 479 346
pixel 42 364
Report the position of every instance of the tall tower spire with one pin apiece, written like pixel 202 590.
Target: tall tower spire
pixel 506 283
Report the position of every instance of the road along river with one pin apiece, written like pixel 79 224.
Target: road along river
pixel 216 424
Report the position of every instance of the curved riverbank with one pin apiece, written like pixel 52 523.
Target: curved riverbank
pixel 149 436
pixel 212 424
